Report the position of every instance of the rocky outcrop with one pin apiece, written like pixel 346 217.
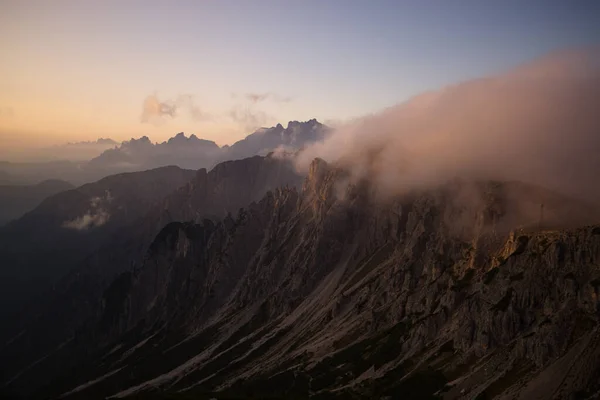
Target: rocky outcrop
pixel 327 293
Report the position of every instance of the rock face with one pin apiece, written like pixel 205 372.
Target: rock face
pixel 326 293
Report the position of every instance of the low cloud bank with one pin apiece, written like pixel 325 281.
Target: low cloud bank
pixel 538 123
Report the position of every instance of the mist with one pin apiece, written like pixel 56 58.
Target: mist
pixel 538 123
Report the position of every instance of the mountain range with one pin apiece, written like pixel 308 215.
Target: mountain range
pixel 446 248
pixel 141 154
pixel 328 294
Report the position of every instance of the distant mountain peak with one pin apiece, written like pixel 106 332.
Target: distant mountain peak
pixel 107 141
pixel 143 139
pixel 181 139
pixel 195 153
pixel 99 141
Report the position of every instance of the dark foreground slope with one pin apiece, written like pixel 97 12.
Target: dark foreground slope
pixel 459 292
pixel 41 246
pixel 28 353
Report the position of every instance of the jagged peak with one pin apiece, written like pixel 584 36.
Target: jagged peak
pixel 318 170
pixel 144 140
pixel 317 165
pixel 311 122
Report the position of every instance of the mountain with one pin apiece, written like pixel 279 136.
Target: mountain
pixel 16 200
pixel 327 292
pixel 295 136
pixel 77 298
pixel 192 152
pixel 447 250
pixel 48 241
pixel 179 150
pixel 96 160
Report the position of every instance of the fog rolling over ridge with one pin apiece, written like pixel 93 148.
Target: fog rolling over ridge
pixel 538 123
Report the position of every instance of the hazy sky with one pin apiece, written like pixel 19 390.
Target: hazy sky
pixel 82 69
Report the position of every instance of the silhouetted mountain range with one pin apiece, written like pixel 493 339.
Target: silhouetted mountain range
pixel 194 153
pixel 141 154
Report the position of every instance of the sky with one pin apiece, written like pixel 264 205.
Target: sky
pixel 82 69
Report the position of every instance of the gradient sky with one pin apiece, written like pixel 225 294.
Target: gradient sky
pixel 81 69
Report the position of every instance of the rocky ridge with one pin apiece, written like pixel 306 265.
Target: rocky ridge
pixel 455 292
pixel 74 302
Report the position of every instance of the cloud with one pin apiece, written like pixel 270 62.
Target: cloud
pixel 248 117
pixel 538 124
pixel 255 98
pixel 88 220
pixel 156 112
pixel 96 216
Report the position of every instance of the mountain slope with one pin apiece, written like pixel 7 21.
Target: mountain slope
pixel 328 293
pixel 77 298
pixel 48 241
pixel 16 200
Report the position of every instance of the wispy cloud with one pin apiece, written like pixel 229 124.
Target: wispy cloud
pixel 255 98
pixel 245 112
pixel 248 117
pixel 95 216
pixel 156 111
pixel 88 220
